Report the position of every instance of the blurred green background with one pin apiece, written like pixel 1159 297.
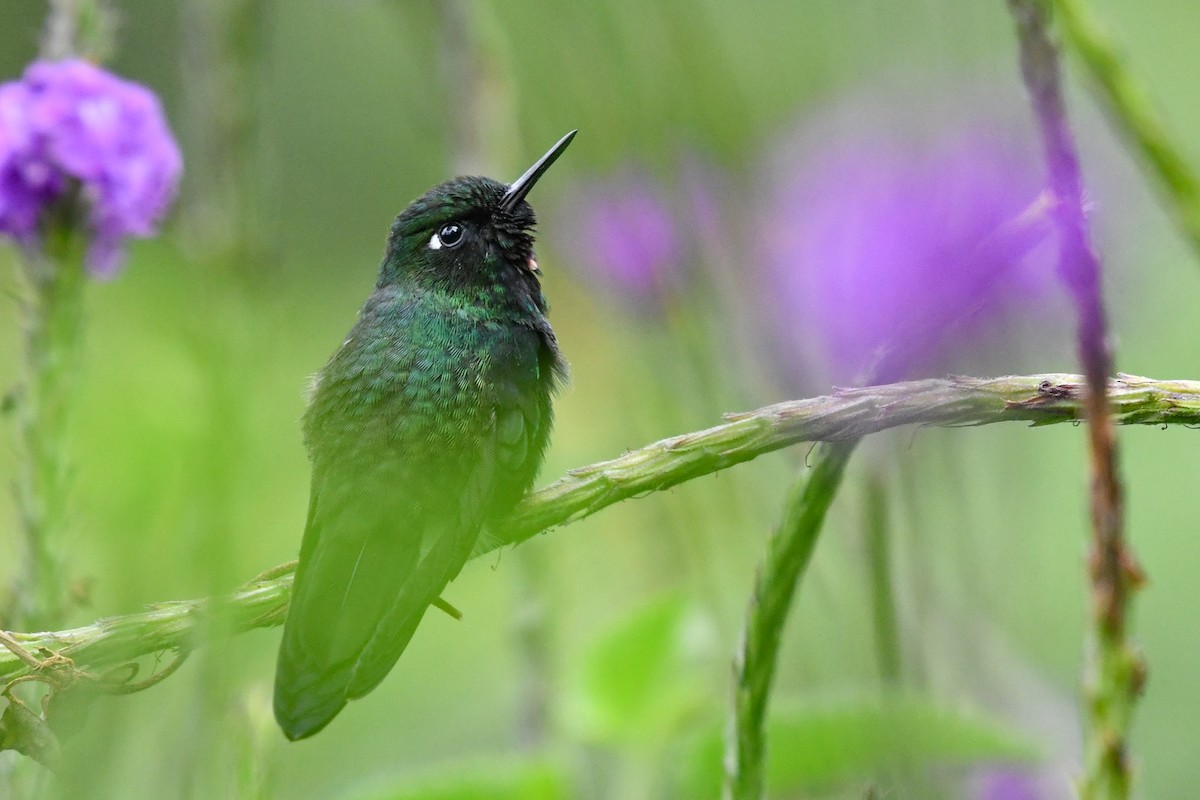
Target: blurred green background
pixel 308 124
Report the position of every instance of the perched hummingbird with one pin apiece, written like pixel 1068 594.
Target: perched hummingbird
pixel 426 425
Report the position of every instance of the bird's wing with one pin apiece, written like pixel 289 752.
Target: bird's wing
pixel 399 496
pixel 450 532
pixel 514 435
pixel 380 545
pixel 521 428
pixel 373 559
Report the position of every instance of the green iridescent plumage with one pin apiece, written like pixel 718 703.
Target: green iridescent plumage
pixel 427 424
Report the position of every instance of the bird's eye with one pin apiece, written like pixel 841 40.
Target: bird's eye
pixel 451 235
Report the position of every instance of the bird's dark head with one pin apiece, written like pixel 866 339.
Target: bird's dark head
pixel 469 235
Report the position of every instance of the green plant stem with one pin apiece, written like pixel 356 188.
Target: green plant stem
pixel 1115 672
pixel 1134 113
pixel 230 171
pixel 534 645
pixel 788 554
pixel 474 64
pixel 848 414
pixel 78 28
pixel 52 310
pixel 883 599
pixel 51 306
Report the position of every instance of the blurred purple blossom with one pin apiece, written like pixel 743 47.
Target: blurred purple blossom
pixel 70 123
pixel 625 235
pixel 877 248
pixel 1008 783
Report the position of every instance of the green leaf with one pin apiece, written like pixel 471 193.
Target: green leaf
pixel 819 744
pixel 642 679
pixel 27 733
pixel 515 779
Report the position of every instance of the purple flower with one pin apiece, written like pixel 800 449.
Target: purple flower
pixel 625 235
pixel 70 126
pixel 883 253
pixel 1007 783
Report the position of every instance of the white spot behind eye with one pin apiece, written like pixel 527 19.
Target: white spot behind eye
pixel 435 242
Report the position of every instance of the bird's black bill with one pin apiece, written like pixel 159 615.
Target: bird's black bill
pixel 521 186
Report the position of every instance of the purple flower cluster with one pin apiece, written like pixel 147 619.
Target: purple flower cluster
pixel 885 253
pixel 625 235
pixel 639 237
pixel 70 126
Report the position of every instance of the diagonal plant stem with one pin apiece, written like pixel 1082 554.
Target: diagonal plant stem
pixel 1116 673
pixel 846 415
pixel 788 554
pixel 1134 113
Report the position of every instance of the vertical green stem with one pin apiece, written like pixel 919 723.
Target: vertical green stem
pixel 473 62
pixel 531 631
pixel 230 171
pixel 883 600
pixel 81 28
pixel 788 554
pixel 52 323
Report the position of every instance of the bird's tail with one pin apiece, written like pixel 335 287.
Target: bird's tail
pixel 361 589
pixel 307 695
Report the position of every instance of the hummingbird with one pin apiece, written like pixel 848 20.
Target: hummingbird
pixel 426 426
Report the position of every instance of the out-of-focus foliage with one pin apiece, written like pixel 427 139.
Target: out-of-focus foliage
pixel 507 780
pixel 639 684
pixel 828 742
